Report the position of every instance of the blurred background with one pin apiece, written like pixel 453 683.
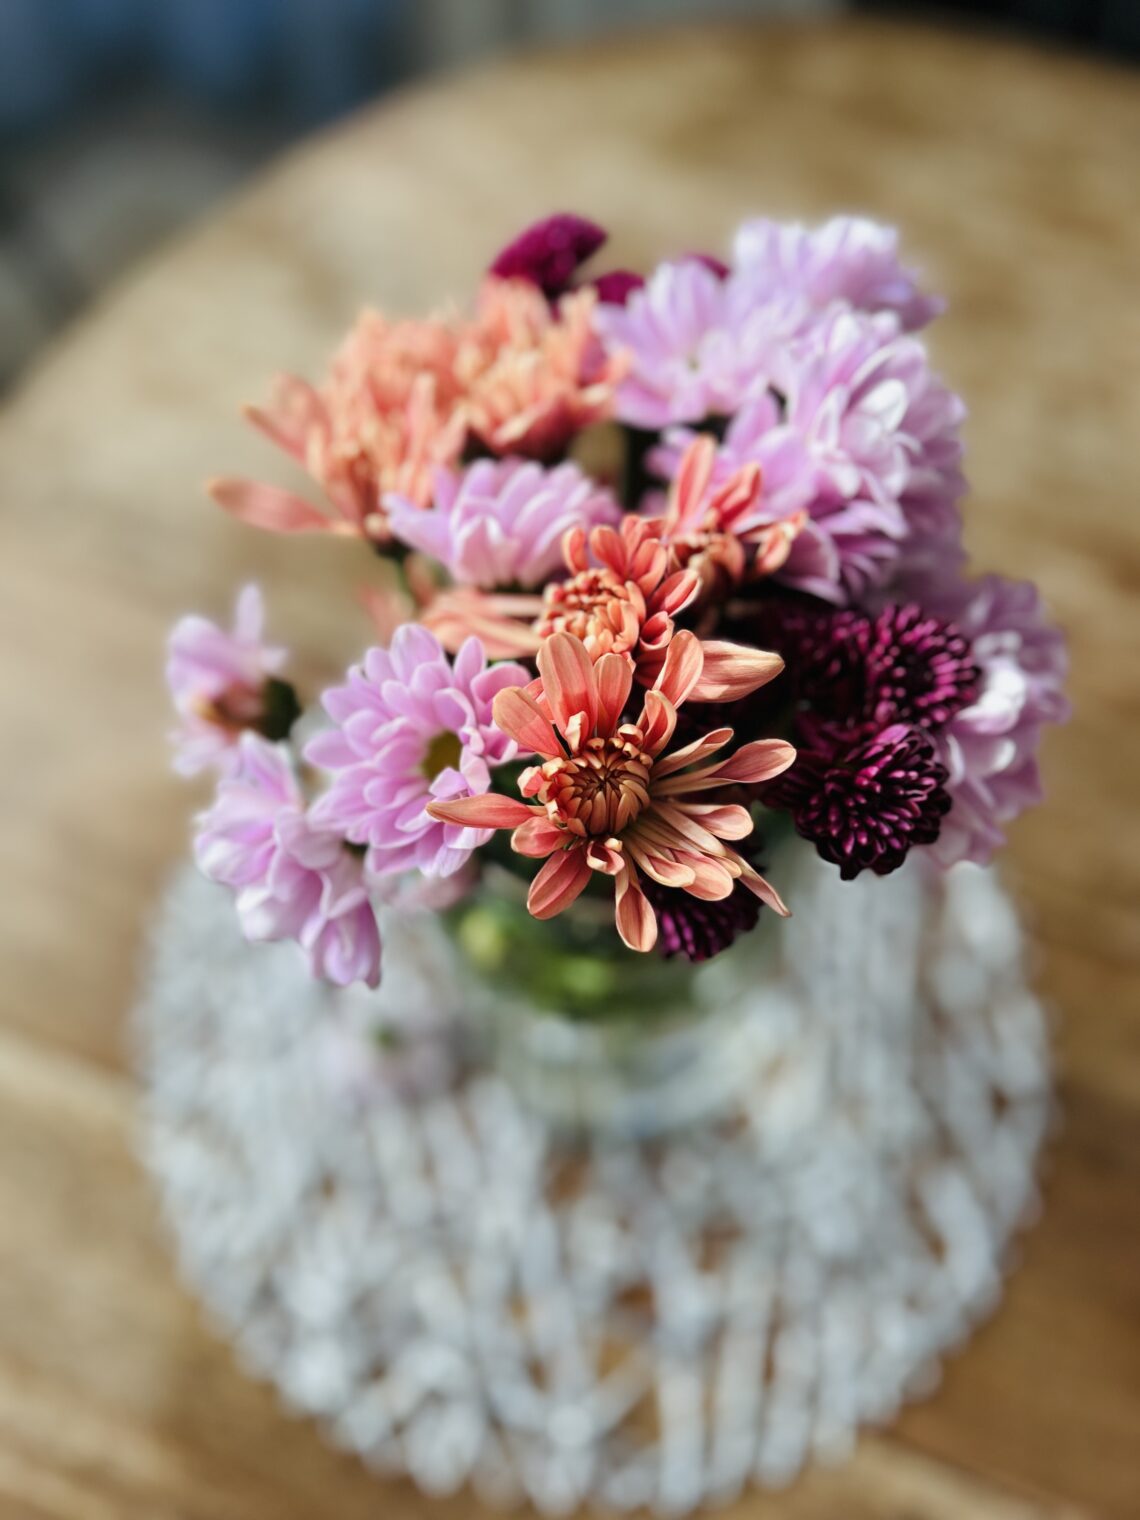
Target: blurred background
pixel 122 119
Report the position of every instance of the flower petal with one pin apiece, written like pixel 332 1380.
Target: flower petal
pixel 764 890
pixel 271 508
pixel 683 667
pixel 606 856
pixel 658 721
pixel 732 671
pixel 516 712
pixel 689 754
pixel 636 921
pixel 614 675
pixel 756 762
pixel 568 679
pixel 656 864
pixel 726 821
pixel 562 878
pixel 692 480
pixel 491 811
pixel 537 837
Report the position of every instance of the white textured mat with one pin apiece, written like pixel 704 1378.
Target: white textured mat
pixel 457 1297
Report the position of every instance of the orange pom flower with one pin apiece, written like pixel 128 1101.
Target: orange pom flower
pixel 608 797
pixel 533 376
pixel 403 398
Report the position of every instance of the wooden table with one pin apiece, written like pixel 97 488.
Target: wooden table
pixel 1015 177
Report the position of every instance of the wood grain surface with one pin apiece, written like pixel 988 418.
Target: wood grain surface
pixel 1015 177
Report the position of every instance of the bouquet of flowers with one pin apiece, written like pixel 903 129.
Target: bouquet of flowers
pixel 658 565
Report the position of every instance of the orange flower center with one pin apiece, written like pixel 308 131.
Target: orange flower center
pixel 600 790
pixel 605 613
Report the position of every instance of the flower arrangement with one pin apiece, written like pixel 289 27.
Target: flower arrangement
pixel 617 682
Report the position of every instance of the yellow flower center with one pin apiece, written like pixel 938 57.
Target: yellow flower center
pixel 443 753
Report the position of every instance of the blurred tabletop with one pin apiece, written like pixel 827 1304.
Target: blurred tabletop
pixel 1014 176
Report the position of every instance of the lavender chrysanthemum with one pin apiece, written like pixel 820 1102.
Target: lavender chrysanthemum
pixel 858 432
pixel 989 747
pixel 848 259
pixel 412 727
pixel 223 683
pixel 500 523
pixel 695 342
pixel 291 878
pixel 866 802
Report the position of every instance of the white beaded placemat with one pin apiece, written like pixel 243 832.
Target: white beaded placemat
pixel 408 1255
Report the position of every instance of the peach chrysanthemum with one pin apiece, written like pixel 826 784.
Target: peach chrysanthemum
pixel 388 415
pixel 403 398
pixel 621 597
pixel 533 376
pixel 608 796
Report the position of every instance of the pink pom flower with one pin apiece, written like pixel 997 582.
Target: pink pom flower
pixel 501 523
pixel 412 727
pixel 548 253
pixel 990 747
pixel 291 878
pixel 849 259
pixel 859 433
pixel 223 683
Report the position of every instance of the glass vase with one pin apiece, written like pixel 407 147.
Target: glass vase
pixel 601 1040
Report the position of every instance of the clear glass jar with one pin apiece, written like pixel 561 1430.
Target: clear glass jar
pixel 603 1040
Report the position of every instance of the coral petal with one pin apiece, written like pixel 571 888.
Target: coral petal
pixel 690 754
pixel 537 838
pixel 517 713
pixel 756 762
pixel 732 671
pixel 562 878
pixel 614 675
pixel 271 508
pixel 636 921
pixel 726 821
pixel 684 663
pixel 568 679
pixel 490 811
pixel 764 890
